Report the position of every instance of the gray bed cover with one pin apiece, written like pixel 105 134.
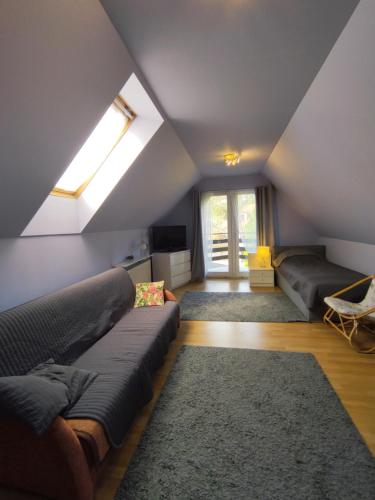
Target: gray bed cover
pixel 315 278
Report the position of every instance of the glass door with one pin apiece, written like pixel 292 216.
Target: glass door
pixel 229 232
pixel 215 233
pixel 246 230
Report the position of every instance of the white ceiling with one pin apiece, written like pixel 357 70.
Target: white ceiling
pixel 229 73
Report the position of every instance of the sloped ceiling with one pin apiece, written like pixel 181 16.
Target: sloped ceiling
pixel 324 161
pixel 62 63
pixel 229 73
pixel 61 66
pixel 153 184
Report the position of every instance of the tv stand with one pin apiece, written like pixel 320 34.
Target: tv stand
pixel 172 267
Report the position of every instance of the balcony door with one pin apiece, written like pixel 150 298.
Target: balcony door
pixel 229 232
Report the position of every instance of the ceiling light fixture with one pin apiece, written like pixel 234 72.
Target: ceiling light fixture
pixel 232 159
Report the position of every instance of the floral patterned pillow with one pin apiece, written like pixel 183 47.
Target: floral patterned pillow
pixel 149 294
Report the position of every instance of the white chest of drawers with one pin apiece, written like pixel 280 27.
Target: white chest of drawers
pixel 172 267
pixel 262 276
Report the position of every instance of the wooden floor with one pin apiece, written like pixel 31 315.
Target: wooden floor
pixel 352 375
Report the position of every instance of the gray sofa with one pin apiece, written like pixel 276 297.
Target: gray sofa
pixel 91 325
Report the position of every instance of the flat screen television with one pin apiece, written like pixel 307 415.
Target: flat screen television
pixel 168 238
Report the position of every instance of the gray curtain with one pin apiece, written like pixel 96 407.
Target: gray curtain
pixel 197 271
pixel 265 201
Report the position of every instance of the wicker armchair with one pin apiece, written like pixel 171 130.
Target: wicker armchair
pixel 350 314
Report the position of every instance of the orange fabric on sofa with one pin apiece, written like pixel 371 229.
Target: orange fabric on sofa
pixel 53 464
pixel 92 437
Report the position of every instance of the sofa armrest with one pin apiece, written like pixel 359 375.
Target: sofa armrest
pixel 53 464
pixel 169 296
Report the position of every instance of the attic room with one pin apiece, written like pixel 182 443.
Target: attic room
pixel 187 249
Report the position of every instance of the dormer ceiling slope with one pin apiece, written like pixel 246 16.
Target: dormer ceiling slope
pixel 229 73
pixel 62 65
pixel 324 162
pixel 156 181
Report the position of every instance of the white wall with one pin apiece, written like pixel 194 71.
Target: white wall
pixel 291 227
pixel 33 266
pixel 231 182
pixel 351 254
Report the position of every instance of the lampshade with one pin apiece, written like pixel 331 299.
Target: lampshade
pixel 232 159
pixel 264 256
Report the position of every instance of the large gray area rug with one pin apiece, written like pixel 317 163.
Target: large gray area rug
pixel 245 424
pixel 239 306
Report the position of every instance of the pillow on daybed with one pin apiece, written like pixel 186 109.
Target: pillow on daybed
pixel 40 396
pixel 149 294
pixel 293 252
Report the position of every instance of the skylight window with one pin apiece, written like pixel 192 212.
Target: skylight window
pixel 100 144
pixel 101 163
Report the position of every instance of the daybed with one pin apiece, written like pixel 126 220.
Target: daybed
pixel 307 277
pixel 91 325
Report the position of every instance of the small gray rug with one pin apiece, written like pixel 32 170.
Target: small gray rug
pixel 239 306
pixel 245 424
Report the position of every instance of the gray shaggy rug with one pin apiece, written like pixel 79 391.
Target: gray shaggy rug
pixel 246 424
pixel 239 306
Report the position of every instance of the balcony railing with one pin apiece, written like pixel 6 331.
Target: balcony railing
pixel 218 246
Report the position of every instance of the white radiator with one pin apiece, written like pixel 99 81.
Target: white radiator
pixel 139 272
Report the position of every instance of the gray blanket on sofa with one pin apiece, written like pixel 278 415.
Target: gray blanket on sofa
pixel 85 325
pixel 64 324
pixel 125 360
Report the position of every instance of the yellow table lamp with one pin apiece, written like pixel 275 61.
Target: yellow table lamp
pixel 263 256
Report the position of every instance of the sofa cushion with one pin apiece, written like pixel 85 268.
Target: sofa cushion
pixel 125 359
